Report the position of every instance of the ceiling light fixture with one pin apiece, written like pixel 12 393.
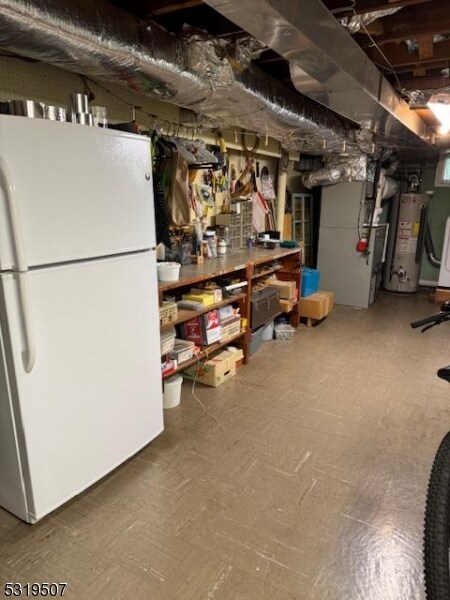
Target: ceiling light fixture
pixel 439 104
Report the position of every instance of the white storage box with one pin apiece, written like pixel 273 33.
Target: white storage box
pixel 168 271
pixel 284 332
pixel 182 351
pixel 167 341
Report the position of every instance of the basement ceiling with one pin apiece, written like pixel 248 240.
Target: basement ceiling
pixel 410 45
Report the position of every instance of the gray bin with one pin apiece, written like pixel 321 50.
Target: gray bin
pixel 256 340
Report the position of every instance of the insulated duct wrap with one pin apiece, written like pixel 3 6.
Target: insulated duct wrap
pixel 104 42
pixel 338 171
pixel 358 22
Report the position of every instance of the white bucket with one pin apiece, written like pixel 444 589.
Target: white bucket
pixel 168 271
pixel 172 391
pixel 267 333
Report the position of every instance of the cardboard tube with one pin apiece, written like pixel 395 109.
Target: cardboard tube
pixel 281 201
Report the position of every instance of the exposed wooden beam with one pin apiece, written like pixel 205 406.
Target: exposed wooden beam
pixel 399 56
pixel 429 68
pixel 413 22
pixel 425 46
pixel 363 6
pixel 163 7
pixel 419 71
pixel 425 83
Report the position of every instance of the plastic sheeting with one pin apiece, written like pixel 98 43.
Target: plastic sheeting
pixel 194 71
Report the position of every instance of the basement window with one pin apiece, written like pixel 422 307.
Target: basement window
pixel 442 178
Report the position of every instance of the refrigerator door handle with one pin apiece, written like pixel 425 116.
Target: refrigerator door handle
pixel 29 354
pixel 6 182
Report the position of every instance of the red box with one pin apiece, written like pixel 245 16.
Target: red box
pixel 192 331
pixel 203 330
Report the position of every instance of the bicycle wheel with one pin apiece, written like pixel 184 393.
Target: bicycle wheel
pixel 437 524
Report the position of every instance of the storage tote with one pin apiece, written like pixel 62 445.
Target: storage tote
pixel 265 306
pixel 310 281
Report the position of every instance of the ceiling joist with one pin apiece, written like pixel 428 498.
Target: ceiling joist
pixel 363 6
pixel 398 55
pixel 413 22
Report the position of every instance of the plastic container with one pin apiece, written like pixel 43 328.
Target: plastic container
pixel 256 340
pixel 182 350
pixel 310 281
pixel 267 333
pixel 167 341
pixel 168 271
pixel 284 333
pixel 172 391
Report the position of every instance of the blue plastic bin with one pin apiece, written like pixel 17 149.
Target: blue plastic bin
pixel 310 281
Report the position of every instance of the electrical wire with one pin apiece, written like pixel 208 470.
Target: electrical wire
pixel 336 11
pixel 197 399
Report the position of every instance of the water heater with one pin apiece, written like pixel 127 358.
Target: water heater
pixel 405 243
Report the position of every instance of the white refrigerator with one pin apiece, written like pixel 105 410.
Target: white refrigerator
pixel 80 380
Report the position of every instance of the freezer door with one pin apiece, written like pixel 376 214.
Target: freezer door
pixel 79 192
pixel 12 488
pixel 94 396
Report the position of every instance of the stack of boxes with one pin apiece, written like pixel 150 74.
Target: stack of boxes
pixel 313 304
pixel 288 293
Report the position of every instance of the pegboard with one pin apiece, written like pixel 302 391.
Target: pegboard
pixel 24 80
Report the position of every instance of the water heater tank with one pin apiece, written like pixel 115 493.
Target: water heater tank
pixel 405 244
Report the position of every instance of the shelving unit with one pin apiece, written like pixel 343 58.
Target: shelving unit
pixel 185 315
pixel 242 266
pixel 206 352
pixel 302 219
pixel 265 273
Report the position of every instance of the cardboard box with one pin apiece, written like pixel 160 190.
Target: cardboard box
pixel 216 292
pixel 286 288
pixel 204 329
pixel 286 305
pixel 214 371
pixel 313 306
pixel 316 306
pixel 238 355
pixel 204 298
pixel 330 300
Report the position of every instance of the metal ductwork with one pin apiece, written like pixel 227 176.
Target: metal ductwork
pixel 338 170
pixel 104 42
pixel 328 65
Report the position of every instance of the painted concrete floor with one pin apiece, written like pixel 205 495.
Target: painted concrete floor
pixel 302 478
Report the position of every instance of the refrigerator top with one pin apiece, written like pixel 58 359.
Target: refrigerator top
pixel 71 192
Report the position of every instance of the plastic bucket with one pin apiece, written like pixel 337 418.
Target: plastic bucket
pixel 267 333
pixel 172 391
pixel 168 271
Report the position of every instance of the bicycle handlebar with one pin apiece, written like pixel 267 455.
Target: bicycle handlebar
pixel 436 319
pixel 426 320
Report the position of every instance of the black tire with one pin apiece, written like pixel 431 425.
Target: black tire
pixel 437 526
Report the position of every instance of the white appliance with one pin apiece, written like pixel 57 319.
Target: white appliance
pixel 80 380
pixel 353 276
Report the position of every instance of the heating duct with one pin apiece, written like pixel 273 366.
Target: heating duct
pixel 103 42
pixel 327 65
pixel 337 171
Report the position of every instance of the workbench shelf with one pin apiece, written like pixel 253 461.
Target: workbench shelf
pixel 243 266
pixel 185 315
pixel 206 352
